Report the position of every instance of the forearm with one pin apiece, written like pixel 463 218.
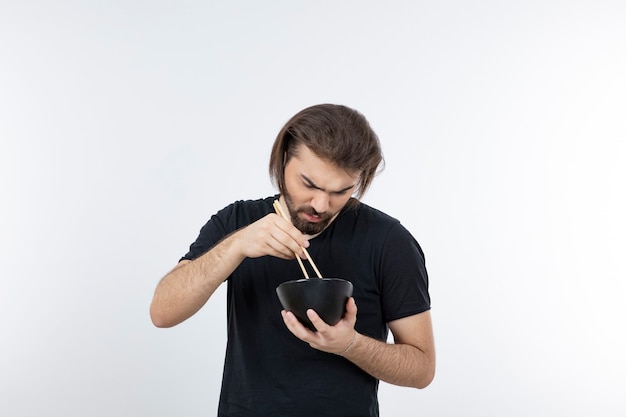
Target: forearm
pixel 183 291
pixel 398 364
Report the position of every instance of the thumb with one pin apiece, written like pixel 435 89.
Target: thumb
pixel 351 309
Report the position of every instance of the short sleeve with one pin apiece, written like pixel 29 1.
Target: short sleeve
pixel 210 234
pixel 403 276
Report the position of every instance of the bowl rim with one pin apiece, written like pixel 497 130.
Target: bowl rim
pixel 296 281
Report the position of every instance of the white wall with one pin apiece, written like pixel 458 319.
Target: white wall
pixel 125 124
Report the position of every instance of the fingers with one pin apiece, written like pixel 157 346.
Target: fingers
pixel 295 327
pixel 317 321
pixel 332 339
pixel 277 248
pixel 271 235
pixel 287 239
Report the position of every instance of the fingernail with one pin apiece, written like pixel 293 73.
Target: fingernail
pixel 306 243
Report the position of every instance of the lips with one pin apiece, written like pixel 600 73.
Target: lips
pixel 312 219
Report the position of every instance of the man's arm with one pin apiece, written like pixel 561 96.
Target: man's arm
pixel 410 361
pixel 183 291
pixel 187 287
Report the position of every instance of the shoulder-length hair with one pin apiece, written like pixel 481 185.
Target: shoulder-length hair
pixel 335 133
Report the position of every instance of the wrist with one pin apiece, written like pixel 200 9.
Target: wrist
pixel 234 247
pixel 350 345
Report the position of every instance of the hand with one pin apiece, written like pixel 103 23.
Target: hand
pixel 271 235
pixel 331 339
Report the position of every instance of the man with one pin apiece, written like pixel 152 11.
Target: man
pixel 275 366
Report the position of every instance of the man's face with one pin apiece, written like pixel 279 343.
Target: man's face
pixel 315 190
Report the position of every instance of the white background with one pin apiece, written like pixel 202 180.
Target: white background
pixel 125 124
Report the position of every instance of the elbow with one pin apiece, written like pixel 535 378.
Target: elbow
pixel 159 323
pixel 426 377
pixel 425 380
pixel 158 318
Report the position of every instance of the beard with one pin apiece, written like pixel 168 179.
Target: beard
pixel 305 226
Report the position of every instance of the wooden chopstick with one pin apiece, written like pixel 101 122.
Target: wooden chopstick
pixel 308 257
pixel 280 212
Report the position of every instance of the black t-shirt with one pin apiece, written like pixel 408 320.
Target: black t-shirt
pixel 267 370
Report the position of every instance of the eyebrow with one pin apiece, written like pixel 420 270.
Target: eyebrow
pixel 312 184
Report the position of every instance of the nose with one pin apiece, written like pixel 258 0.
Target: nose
pixel 321 202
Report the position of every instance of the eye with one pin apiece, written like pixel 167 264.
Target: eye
pixel 310 185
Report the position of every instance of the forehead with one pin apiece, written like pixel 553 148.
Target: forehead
pixel 325 174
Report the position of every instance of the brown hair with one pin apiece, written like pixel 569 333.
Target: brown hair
pixel 333 132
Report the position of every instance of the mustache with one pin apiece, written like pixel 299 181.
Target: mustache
pixel 312 212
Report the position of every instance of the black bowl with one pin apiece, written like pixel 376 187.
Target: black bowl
pixel 327 296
